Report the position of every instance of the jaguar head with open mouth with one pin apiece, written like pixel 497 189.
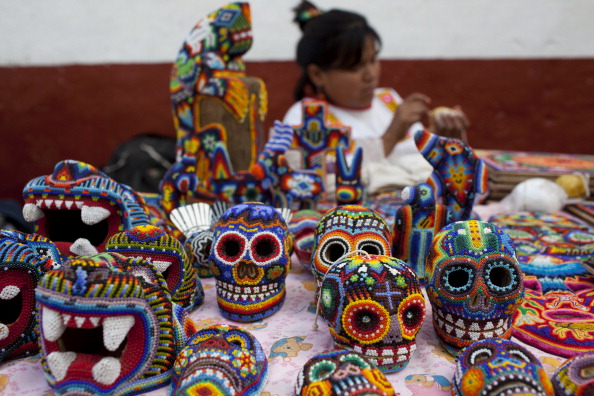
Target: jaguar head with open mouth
pixel 108 326
pixel 79 207
pixel 24 258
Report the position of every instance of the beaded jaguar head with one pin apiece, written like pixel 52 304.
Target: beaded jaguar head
pixel 341 372
pixel 373 305
pixel 24 258
pixel 79 207
pixel 474 283
pixel 108 326
pixel 250 261
pixel 221 360
pixel 167 255
pixel 493 367
pixel 346 229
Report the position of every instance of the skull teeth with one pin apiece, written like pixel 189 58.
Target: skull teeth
pixel 246 293
pixel 477 330
pixel 90 215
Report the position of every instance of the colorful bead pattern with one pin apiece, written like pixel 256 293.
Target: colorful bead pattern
pixel 345 229
pixel 24 258
pixel 108 326
pixel 474 283
pixel 495 366
pixel 341 372
pixel 250 261
pixel 575 377
pixel 166 253
pixel 373 305
pixel 79 201
pixel 415 224
pixel 302 227
pixel 221 360
pixel 459 176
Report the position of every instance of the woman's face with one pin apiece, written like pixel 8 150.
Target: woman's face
pixel 351 87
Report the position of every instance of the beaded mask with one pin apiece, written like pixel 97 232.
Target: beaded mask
pixel 575 377
pixel 373 305
pixel 250 261
pixel 346 229
pixel 220 360
pixel 24 258
pixel 79 207
pixel 341 372
pixel 108 326
pixel 474 283
pixel 495 366
pixel 167 255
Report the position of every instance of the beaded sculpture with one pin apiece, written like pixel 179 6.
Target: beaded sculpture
pixel 196 222
pixel 318 137
pixel 474 283
pixel 374 306
pixel 349 185
pixel 220 360
pixel 459 177
pixel 289 188
pixel 108 326
pixel 302 227
pixel 494 367
pixel 575 377
pixel 218 111
pixel 346 229
pixel 166 253
pixel 250 261
pixel 415 224
pixel 78 207
pixel 341 372
pixel 24 258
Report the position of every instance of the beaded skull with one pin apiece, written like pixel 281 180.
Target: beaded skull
pixel 346 229
pixel 341 372
pixel 220 360
pixel 575 377
pixel 474 283
pixel 373 305
pixel 250 261
pixel 493 367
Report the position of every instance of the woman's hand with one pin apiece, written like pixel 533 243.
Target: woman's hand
pixel 449 122
pixel 415 108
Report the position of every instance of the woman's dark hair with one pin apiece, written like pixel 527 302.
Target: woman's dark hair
pixel 331 39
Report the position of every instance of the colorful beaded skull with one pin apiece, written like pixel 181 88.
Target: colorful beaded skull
pixel 495 366
pixel 250 261
pixel 373 305
pixel 575 377
pixel 346 229
pixel 220 360
pixel 108 326
pixel 167 255
pixel 341 372
pixel 474 283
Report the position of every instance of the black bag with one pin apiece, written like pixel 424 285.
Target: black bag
pixel 142 161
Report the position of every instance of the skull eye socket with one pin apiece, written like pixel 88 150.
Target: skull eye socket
pixel 332 250
pixel 265 248
pixel 501 277
pixel 412 314
pixel 366 321
pixel 480 355
pixel 457 278
pixel 321 370
pixel 371 247
pixel 230 247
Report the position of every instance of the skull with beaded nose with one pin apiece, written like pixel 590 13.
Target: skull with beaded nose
pixel 250 261
pixel 474 283
pixel 374 306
